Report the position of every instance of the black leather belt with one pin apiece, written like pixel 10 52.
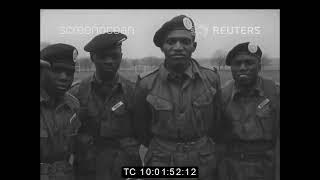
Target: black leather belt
pixel 181 145
pixel 55 167
pixel 250 156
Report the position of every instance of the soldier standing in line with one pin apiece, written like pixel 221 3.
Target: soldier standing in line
pixel 177 104
pixel 251 116
pixel 106 141
pixel 58 120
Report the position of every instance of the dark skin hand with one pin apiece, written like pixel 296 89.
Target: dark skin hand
pixel 178 47
pixel 245 69
pixel 107 63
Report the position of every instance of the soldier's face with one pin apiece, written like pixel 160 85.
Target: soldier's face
pixel 245 69
pixel 59 79
pixel 107 62
pixel 178 46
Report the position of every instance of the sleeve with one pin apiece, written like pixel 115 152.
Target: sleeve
pixel 75 125
pixel 217 103
pixel 74 90
pixel 277 148
pixel 130 144
pixel 142 115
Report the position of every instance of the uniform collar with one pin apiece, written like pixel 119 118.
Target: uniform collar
pixel 118 81
pixel 44 97
pixel 257 89
pixel 191 72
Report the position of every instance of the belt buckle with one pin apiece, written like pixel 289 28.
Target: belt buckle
pixel 187 145
pixel 44 168
pixel 242 156
pixel 59 166
pixel 48 168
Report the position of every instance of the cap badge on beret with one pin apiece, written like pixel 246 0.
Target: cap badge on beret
pixel 75 55
pixel 123 39
pixel 187 23
pixel 120 41
pixel 252 48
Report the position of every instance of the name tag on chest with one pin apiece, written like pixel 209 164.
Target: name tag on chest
pixel 263 103
pixel 116 106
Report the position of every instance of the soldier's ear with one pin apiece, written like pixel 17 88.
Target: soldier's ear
pixel 259 65
pixel 194 46
pixel 161 48
pixel 92 57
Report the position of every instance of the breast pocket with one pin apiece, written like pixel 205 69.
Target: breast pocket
pixel 161 108
pixel 120 116
pixel 265 118
pixel 202 105
pixel 72 125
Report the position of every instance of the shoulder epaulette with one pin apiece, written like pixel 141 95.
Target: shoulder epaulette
pixel 72 100
pixel 75 83
pixel 213 69
pixel 227 83
pixel 144 74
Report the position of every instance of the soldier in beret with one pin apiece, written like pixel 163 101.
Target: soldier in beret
pixel 106 141
pixel 58 120
pixel 251 109
pixel 177 104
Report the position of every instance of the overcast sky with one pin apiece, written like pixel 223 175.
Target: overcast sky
pixel 215 29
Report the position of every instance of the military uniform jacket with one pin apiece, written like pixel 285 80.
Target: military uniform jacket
pixel 109 116
pixel 177 110
pixel 254 117
pixel 58 127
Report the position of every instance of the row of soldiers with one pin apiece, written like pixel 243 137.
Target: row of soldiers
pixel 179 111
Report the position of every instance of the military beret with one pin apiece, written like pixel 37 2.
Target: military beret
pixel 105 41
pixel 59 54
pixel 243 48
pixel 180 22
pixel 44 64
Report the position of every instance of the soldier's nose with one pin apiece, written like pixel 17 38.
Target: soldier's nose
pixel 177 46
pixel 63 75
pixel 243 66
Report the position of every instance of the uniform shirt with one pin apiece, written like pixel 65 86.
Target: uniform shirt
pixel 177 108
pixel 58 125
pixel 105 109
pixel 250 115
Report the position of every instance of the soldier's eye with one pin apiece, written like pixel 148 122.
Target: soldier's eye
pixel 250 62
pixel 236 63
pixel 115 56
pixel 186 41
pixel 70 72
pixel 171 41
pixel 100 56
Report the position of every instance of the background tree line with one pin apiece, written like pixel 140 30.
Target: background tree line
pixel 217 60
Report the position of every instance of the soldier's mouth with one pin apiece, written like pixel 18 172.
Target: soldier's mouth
pixel 61 88
pixel 178 56
pixel 243 76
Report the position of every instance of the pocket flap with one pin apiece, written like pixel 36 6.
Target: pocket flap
pixel 159 103
pixel 119 108
pixel 205 98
